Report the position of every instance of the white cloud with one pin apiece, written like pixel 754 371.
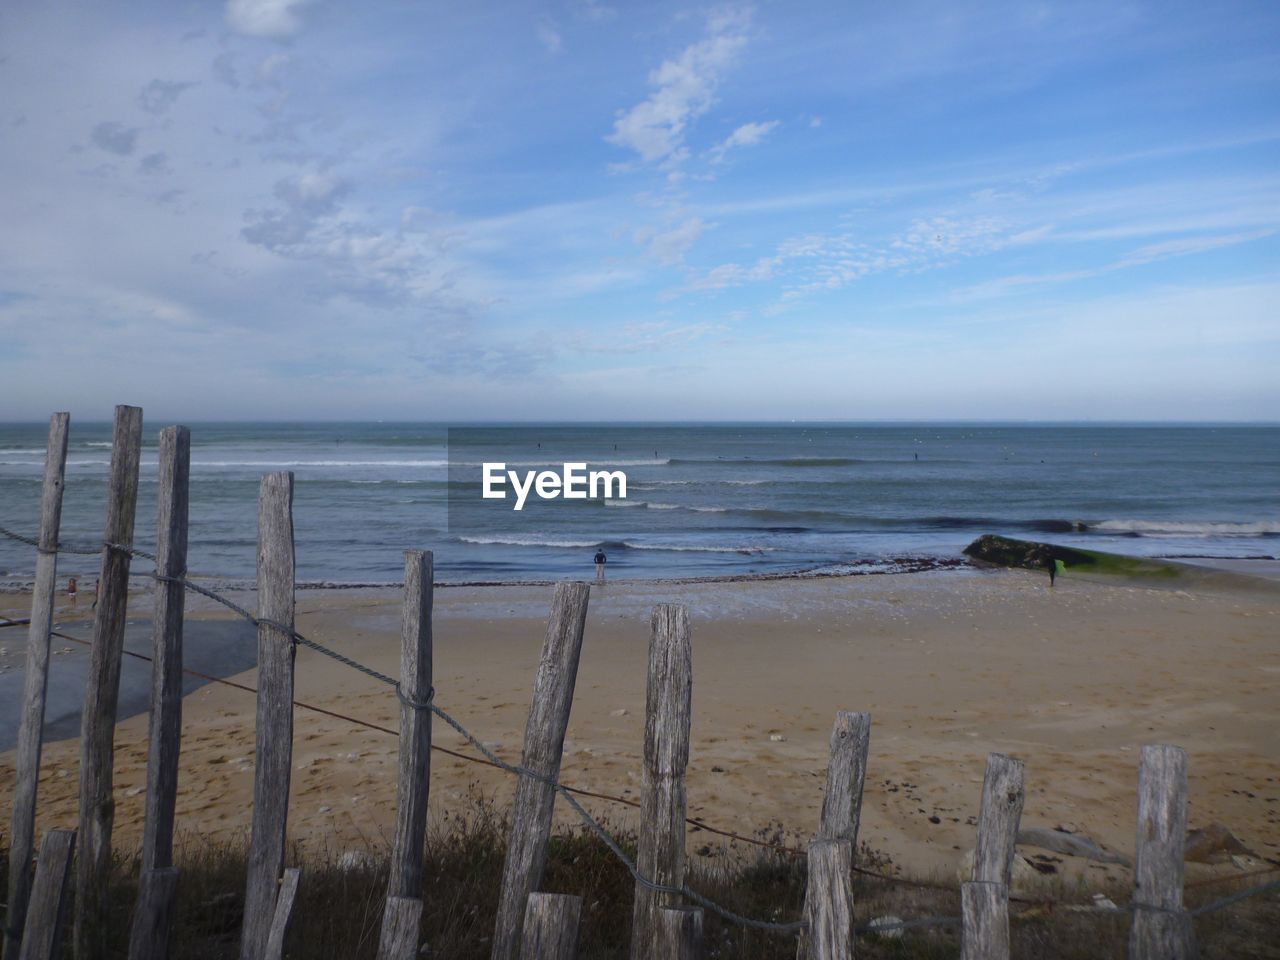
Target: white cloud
pixel 265 18
pixel 549 37
pixel 1188 245
pixel 747 135
pixel 684 89
pixel 670 246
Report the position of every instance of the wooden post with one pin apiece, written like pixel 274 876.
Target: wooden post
pixel 1160 928
pixel 985 899
pixel 153 914
pixel 985 917
pixel 282 914
pixel 543 746
pixel 846 777
pixel 42 933
pixel 397 941
pixel 149 936
pixel 22 830
pixel 274 756
pixel 550 930
pixel 829 900
pixel 401 924
pixel 660 854
pixel 102 693
pixel 679 934
pixel 1002 797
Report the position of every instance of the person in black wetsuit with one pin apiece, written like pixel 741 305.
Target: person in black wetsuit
pixel 601 560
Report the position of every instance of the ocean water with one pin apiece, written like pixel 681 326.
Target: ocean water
pixel 703 500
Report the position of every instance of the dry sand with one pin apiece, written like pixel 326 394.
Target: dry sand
pixel 951 666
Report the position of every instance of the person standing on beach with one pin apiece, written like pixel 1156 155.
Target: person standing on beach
pixel 601 560
pixel 1052 564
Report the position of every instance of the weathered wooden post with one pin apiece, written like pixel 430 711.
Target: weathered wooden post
pixel 550 930
pixel 679 934
pixel 660 855
pixel 152 916
pixel 984 908
pixel 274 735
pixel 846 778
pixel 282 914
pixel 828 905
pixel 1160 927
pixel 102 693
pixel 985 899
pixel 42 934
pixel 22 830
pixel 543 747
pixel 403 911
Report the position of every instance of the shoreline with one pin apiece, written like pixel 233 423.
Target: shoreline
pixel 951 664
pixel 1261 566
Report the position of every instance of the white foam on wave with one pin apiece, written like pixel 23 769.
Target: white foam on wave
pixel 528 542
pixel 652 505
pixel 319 463
pixel 629 544
pixel 692 548
pixel 1176 528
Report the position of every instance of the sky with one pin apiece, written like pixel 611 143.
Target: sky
pixel 452 211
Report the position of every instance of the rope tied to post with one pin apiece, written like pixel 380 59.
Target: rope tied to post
pixel 412 702
pixel 567 792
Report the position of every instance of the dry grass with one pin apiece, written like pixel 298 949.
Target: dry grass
pixel 339 904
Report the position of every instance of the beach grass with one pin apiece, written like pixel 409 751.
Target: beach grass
pixel 339 907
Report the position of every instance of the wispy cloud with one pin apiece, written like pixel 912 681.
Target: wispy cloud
pixel 670 245
pixel 114 137
pixel 747 135
pixel 549 37
pixel 1188 245
pixel 266 18
pixel 684 89
pixel 159 95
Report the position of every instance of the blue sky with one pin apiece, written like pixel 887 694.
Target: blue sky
pixel 588 210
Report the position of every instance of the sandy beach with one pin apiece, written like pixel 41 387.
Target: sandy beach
pixel 951 665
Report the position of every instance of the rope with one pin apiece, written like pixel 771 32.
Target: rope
pixel 567 792
pixel 1234 898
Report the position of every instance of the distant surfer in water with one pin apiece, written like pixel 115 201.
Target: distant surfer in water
pixel 601 560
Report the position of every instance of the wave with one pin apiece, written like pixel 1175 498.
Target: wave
pixel 692 548
pixel 614 545
pixel 1177 528
pixel 652 484
pixel 529 542
pixel 319 463
pixel 652 505
pixel 776 461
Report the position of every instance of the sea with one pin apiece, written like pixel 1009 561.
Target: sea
pixel 702 500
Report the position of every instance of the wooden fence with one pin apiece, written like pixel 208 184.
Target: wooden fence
pixel 530 923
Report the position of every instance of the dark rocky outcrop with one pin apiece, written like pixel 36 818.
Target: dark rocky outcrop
pixel 1031 555
pixel 1007 552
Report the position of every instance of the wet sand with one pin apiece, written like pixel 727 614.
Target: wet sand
pixel 951 665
